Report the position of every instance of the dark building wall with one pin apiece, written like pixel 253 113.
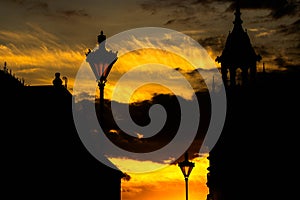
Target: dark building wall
pixel 254 157
pixel 42 153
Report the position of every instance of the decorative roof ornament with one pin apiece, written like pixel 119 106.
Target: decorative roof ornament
pixel 238 53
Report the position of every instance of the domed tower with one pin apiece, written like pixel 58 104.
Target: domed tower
pixel 238 53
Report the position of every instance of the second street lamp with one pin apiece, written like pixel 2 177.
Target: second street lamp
pixel 186 168
pixel 101 62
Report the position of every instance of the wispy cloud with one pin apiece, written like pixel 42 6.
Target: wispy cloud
pixel 48 8
pixel 265 33
pixel 292 28
pixel 73 13
pixel 37 54
pixel 278 9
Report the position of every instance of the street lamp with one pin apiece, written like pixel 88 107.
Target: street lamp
pixel 101 62
pixel 186 167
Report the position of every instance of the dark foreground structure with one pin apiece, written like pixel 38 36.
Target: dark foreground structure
pixel 254 157
pixel 42 155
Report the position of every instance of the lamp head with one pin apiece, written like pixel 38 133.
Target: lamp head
pixel 186 166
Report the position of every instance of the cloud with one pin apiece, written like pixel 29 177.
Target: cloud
pixel 180 20
pixel 36 54
pixel 176 11
pixel 32 5
pixel 49 10
pixel 73 13
pixel 284 8
pixel 154 5
pixel 126 177
pixel 278 9
pixel 214 42
pixel 131 165
pixel 266 33
pixel 139 136
pixel 280 61
pixel 292 28
pixel 263 51
pixel 35 36
pixel 86 95
pixel 41 6
pixel 171 21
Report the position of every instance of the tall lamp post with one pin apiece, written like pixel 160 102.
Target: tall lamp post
pixel 101 61
pixel 186 167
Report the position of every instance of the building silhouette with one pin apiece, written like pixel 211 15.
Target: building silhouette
pixel 42 154
pixel 259 125
pixel 228 171
pixel 238 54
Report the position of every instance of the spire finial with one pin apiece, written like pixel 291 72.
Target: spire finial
pixel 238 6
pixel 237 13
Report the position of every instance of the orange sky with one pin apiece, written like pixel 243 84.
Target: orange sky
pixel 167 183
pixel 171 70
pixel 41 37
pixel 159 66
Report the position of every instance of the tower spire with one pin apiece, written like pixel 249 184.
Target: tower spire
pixel 237 13
pixel 238 52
